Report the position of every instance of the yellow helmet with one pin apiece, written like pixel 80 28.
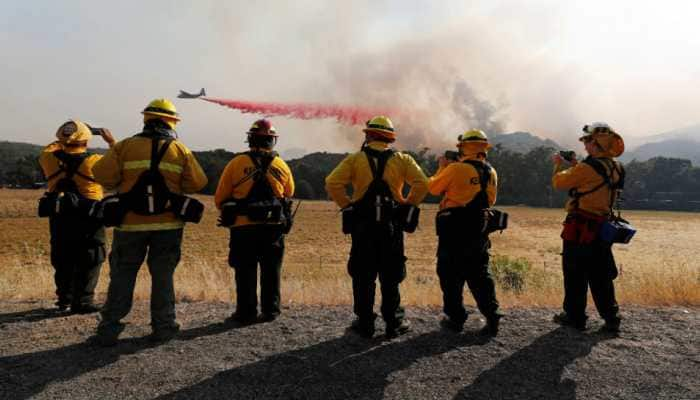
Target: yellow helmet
pixel 606 137
pixel 474 136
pixel 163 109
pixel 74 134
pixel 381 125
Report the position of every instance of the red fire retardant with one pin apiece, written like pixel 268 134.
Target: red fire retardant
pixel 347 115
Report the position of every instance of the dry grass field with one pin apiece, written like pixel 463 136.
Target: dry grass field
pixel 660 267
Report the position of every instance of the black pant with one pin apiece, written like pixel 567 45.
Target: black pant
pixel 249 246
pixel 77 254
pixel 461 260
pixel 591 265
pixel 377 252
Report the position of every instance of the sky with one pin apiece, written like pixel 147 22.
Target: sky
pixel 547 67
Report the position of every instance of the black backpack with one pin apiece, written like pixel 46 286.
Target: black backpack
pixel 150 194
pixel 475 217
pixel 377 206
pixel 261 204
pixel 66 199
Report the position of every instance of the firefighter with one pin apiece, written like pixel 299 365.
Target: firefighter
pixel 588 261
pixel 253 194
pixel 468 185
pixel 77 241
pixel 147 168
pixel 377 174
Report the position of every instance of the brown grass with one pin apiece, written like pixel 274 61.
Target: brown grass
pixel 659 268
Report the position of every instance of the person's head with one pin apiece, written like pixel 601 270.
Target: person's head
pixel 161 112
pixel 379 129
pixel 473 143
pixel 262 135
pixel 600 140
pixel 74 136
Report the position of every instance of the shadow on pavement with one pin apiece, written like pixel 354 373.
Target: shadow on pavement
pixel 23 376
pixel 535 371
pixel 35 315
pixel 341 368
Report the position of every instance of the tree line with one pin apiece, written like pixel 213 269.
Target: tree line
pixel 524 178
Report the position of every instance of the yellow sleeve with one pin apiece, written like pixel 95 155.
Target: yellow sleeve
pixel 193 177
pixel 45 156
pixel 417 180
pixel 492 188
pixel 289 186
pixel 438 183
pixel 107 170
pixel 570 177
pixel 224 189
pixel 338 180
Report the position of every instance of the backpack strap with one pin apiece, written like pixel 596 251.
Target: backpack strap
pixel 382 158
pixel 484 171
pixel 156 154
pixel 599 166
pixel 70 165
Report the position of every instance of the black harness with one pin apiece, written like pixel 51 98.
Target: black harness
pixel 601 166
pixel 150 194
pixel 69 164
pixel 481 200
pixel 378 202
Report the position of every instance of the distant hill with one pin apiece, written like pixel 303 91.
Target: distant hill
pixel 679 143
pixel 522 142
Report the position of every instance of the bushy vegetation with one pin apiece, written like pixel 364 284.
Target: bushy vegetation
pixel 524 178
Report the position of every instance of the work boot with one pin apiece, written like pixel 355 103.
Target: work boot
pixel 491 327
pixel 398 329
pixel 563 319
pixel 87 308
pixel 163 335
pixel 363 328
pixel 452 325
pixel 237 319
pixel 611 326
pixel 63 304
pixel 268 317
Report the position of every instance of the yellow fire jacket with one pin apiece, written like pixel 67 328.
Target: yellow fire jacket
pixel 121 167
pixel 584 178
pixel 460 183
pixel 354 170
pixel 51 165
pixel 233 182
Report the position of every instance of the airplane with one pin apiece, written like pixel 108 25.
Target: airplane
pixel 185 95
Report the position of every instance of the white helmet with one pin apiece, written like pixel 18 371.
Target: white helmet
pixel 596 127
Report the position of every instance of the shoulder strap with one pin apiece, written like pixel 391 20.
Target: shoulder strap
pixel 382 158
pixel 70 164
pixel 599 168
pixel 157 155
pixel 484 171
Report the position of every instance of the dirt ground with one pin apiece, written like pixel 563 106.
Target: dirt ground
pixel 307 354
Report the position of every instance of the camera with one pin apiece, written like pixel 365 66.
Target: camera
pixel 452 155
pixel 568 155
pixel 95 131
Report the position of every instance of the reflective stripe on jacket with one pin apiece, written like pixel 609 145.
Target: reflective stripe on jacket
pixel 122 165
pixel 354 170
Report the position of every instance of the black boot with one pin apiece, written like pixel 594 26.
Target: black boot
pixel 363 328
pixel 397 329
pixel 563 319
pixel 491 327
pixel 452 325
